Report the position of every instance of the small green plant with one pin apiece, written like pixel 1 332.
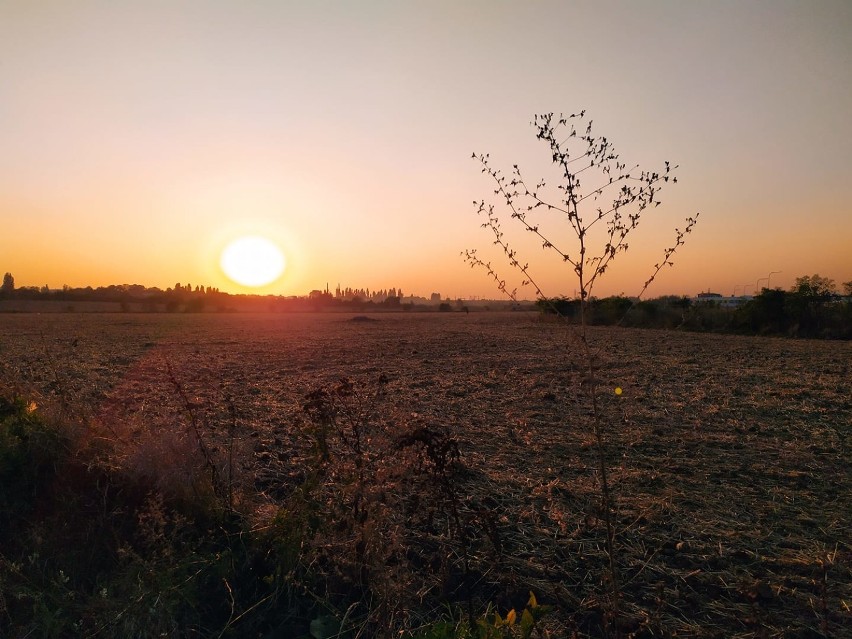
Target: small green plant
pixel 515 625
pixel 492 625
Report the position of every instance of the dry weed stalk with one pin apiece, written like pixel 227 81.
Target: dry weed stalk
pixel 223 487
pixel 618 199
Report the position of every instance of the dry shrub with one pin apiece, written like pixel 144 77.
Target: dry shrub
pixel 167 459
pixel 183 448
pixel 383 519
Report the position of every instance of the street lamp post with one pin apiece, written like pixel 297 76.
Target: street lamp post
pixel 769 279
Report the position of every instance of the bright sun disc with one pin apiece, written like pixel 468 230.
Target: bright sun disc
pixel 252 261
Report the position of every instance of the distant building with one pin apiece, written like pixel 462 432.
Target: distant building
pixel 320 296
pixel 726 302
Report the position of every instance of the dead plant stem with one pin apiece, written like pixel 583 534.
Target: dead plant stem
pixel 606 497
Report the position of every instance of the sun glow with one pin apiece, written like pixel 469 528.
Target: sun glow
pixel 252 261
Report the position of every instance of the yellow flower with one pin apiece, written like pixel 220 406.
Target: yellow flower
pixel 618 390
pixel 31 407
pixel 511 617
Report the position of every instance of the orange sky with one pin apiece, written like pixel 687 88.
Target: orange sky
pixel 137 139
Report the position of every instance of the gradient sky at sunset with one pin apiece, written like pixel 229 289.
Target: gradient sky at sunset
pixel 137 138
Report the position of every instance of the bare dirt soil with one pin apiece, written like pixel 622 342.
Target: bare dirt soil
pixel 729 456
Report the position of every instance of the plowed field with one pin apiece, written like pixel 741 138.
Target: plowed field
pixel 729 456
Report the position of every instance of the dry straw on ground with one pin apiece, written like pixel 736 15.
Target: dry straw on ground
pixel 729 455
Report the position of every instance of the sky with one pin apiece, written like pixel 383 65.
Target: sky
pixel 138 138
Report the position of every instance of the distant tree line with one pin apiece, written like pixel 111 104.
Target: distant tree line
pixel 366 294
pixel 188 298
pixel 122 293
pixel 811 308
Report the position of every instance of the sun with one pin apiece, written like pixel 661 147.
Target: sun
pixel 252 260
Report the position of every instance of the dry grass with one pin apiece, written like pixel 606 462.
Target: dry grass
pixel 730 456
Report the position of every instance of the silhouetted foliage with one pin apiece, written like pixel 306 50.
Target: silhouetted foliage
pixel 8 285
pixel 810 309
pixel 804 311
pixel 814 287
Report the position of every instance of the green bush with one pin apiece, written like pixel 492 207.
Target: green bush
pixel 29 452
pixel 88 549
